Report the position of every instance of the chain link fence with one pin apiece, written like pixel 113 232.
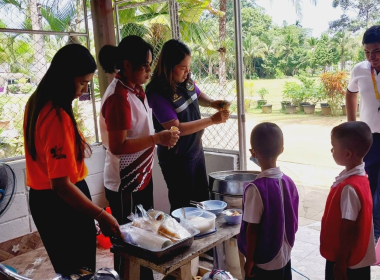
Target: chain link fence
pixel 30 35
pixel 207 27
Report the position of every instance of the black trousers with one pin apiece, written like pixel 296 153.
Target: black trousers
pixel 68 235
pixel 186 180
pixel 363 273
pixel 372 168
pixel 284 273
pixel 122 203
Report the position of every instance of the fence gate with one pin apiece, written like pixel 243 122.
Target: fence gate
pixel 31 33
pixel 208 28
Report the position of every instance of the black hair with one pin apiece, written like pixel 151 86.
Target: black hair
pixel 132 48
pixel 372 35
pixel 355 136
pixel 172 54
pixel 267 139
pixel 58 86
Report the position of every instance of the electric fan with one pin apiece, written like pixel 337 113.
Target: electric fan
pixel 7 187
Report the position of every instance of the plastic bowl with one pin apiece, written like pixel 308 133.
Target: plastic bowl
pixel 214 206
pixel 202 220
pixel 190 212
pixel 233 220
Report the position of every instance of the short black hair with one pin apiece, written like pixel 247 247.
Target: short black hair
pixel 355 136
pixel 372 35
pixel 267 139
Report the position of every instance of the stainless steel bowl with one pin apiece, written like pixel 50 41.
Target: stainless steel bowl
pixel 229 186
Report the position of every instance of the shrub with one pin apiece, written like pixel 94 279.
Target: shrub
pixel 13 88
pixel 26 88
pixel 263 92
pixel 334 86
pixel 293 91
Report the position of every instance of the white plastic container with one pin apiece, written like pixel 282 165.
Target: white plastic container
pixel 202 220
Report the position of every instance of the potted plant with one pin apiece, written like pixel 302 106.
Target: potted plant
pixel 267 108
pixel 262 93
pixel 284 104
pixel 294 92
pixel 290 109
pixel 334 86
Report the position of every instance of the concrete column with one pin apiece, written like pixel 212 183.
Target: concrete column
pixel 104 34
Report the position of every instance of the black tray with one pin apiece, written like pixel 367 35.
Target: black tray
pixel 156 256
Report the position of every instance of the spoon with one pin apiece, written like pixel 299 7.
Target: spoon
pixel 183 212
pixel 199 204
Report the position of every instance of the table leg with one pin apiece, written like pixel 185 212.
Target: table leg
pixel 183 273
pixel 242 263
pixel 131 269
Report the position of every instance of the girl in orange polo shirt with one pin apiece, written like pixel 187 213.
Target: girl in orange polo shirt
pixel 59 199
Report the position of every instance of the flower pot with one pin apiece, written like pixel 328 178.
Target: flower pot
pixel 284 103
pixel 309 109
pixel 300 105
pixel 261 103
pixel 290 109
pixel 4 124
pixel 266 109
pixel 326 110
pixel 344 110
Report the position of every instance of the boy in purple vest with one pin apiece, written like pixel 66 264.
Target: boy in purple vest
pixel 270 210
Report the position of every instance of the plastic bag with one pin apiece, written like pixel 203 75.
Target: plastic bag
pixel 158 222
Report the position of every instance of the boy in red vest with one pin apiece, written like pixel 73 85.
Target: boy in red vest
pixel 347 237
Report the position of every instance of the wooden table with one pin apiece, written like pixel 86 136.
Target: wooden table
pixel 179 266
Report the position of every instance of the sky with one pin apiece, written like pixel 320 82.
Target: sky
pixel 313 17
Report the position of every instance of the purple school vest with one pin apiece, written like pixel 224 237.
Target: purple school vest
pixel 271 227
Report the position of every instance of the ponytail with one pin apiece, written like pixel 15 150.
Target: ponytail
pixel 132 48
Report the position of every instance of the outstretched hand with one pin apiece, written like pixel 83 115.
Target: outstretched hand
pixel 109 225
pixel 167 138
pixel 220 117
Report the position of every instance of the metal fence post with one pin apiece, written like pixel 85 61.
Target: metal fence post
pixel 174 20
pixel 240 85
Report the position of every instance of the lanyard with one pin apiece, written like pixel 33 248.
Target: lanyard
pixel 375 84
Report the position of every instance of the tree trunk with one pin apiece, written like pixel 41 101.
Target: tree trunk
pixel 38 41
pixel 222 49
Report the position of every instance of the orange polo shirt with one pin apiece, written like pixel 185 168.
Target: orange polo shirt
pixel 56 153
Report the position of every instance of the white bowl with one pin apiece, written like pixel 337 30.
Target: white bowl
pixel 190 212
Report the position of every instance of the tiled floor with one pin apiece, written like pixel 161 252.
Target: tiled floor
pixel 306 259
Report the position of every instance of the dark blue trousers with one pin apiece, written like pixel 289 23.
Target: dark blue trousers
pixel 363 273
pixel 284 273
pixel 372 167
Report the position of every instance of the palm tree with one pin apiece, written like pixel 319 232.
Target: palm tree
pixel 32 9
pixel 253 48
pixel 343 41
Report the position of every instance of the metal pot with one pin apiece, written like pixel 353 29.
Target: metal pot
pixel 229 186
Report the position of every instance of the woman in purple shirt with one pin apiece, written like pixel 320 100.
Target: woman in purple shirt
pixel 175 99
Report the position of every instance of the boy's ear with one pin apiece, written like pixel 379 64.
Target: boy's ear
pixel 349 153
pixel 252 152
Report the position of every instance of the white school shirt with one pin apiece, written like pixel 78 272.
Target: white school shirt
pixel 350 206
pixel 253 210
pixel 361 81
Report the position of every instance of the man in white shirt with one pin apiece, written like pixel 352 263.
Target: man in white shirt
pixel 366 81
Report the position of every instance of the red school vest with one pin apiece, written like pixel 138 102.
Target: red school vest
pixel 332 220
